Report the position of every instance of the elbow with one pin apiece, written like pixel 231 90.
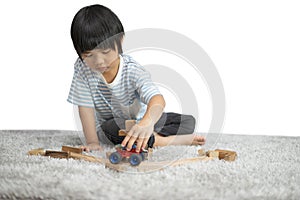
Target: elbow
pixel 158 100
pixel 163 102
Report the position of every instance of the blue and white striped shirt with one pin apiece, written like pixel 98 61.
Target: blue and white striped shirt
pixel 126 97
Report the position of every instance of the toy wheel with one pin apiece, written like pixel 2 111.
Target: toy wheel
pixel 115 158
pixel 143 155
pixel 135 159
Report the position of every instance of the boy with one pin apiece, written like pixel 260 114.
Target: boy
pixel 109 87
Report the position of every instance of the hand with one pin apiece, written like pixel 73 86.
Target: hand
pixel 139 133
pixel 92 146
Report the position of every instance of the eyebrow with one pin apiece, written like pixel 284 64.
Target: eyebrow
pixel 86 53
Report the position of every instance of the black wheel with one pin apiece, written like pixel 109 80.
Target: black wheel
pixel 135 159
pixel 115 158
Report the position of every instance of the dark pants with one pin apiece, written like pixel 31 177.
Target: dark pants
pixel 168 124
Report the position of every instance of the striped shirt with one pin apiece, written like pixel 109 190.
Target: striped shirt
pixel 126 97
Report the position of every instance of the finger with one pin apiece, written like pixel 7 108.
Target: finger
pixel 127 138
pixel 139 144
pixel 140 141
pixel 130 143
pixel 201 140
pixel 125 141
pixel 145 143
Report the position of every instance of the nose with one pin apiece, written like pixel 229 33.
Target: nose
pixel 99 61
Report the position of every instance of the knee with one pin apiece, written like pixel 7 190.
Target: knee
pixel 189 121
pixel 111 130
pixel 113 126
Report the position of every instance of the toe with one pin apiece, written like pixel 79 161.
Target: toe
pixel 201 140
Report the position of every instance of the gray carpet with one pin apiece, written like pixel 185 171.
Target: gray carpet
pixel 267 168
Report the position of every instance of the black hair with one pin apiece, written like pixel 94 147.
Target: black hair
pixel 96 26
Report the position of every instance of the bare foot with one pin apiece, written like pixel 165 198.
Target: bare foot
pixel 198 140
pixel 190 139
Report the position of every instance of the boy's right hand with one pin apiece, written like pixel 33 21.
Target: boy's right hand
pixel 91 147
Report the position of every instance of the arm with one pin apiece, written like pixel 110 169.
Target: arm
pixel 87 118
pixel 141 132
pixel 154 110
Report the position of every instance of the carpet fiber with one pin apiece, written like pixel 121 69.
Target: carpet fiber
pixel 267 167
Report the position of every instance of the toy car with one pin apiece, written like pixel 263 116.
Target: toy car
pixel 132 156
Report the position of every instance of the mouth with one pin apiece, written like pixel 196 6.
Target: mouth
pixel 101 69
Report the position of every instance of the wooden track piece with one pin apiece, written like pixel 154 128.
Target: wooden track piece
pixel 152 166
pixel 213 154
pixel 227 155
pixel 57 154
pixel 147 166
pixel 201 152
pixel 35 152
pixel 86 158
pixel 69 152
pixel 71 149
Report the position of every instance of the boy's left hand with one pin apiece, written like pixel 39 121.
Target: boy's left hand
pixel 139 133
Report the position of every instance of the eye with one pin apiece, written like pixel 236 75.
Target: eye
pixel 106 51
pixel 86 55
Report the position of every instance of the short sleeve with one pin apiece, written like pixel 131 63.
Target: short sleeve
pixel 144 85
pixel 80 92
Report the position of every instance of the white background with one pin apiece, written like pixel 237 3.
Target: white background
pixel 255 46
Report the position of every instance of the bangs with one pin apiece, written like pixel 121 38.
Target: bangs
pixel 89 43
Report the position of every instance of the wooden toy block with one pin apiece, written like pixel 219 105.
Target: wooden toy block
pixel 201 152
pixel 213 154
pixel 226 155
pixel 129 124
pixel 65 154
pixel 122 132
pixel 35 152
pixel 57 154
pixel 71 149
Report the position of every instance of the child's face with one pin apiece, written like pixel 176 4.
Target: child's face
pixel 101 60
